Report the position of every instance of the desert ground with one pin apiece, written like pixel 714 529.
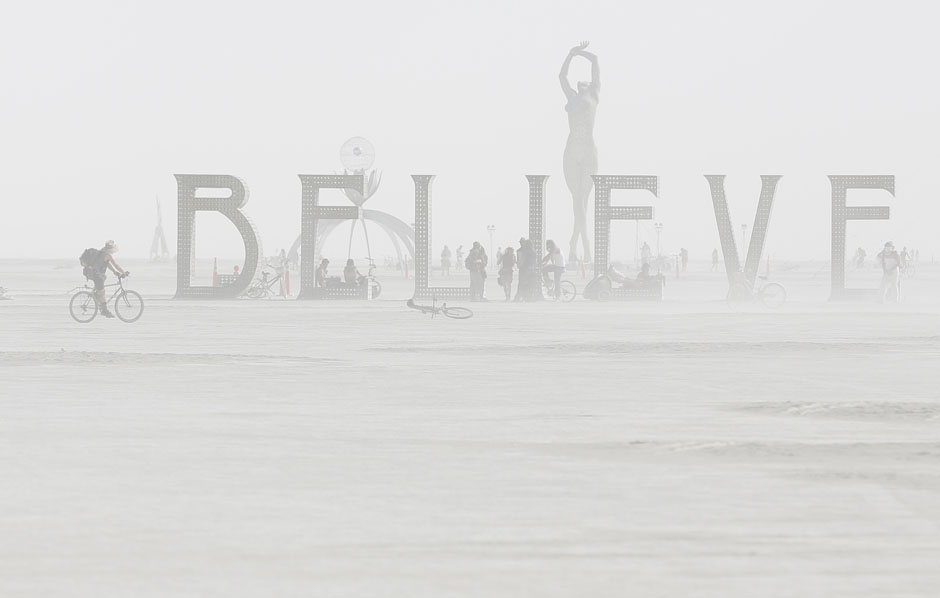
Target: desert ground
pixel 288 448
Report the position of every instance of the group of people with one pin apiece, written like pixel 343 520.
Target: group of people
pixel 351 275
pixel 447 258
pixel 524 260
pixel 475 263
pixel 908 257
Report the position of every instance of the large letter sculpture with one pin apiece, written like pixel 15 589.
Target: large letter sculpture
pixel 537 216
pixel 842 213
pixel 230 207
pixel 604 212
pixel 768 188
pixel 423 245
pixel 310 215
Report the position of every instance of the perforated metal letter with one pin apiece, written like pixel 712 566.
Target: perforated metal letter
pixel 537 215
pixel 841 214
pixel 230 207
pixel 423 245
pixel 604 212
pixel 311 212
pixel 768 189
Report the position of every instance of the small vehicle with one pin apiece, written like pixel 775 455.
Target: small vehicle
pixel 128 305
pixel 599 289
pixel 770 294
pixel 457 313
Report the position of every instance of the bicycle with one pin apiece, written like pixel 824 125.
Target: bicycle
pixel 128 305
pixel 264 287
pixel 567 289
pixel 371 280
pixel 456 313
pixel 770 294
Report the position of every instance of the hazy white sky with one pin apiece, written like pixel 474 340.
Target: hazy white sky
pixel 104 101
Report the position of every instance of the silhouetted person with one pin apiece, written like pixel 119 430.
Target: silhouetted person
pixel 860 256
pixel 891 265
pixel 715 260
pixel 321 273
pixel 445 261
pixel 684 256
pixel 476 264
pixel 580 159
pixel 351 274
pixel 96 269
pixel 643 277
pixel 645 253
pixel 506 261
pixel 526 265
pixel 644 280
pixel 460 257
pixel 553 264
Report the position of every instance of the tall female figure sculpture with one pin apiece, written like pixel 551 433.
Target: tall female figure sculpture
pixel 580 160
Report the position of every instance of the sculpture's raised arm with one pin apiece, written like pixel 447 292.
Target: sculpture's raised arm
pixel 563 76
pixel 595 70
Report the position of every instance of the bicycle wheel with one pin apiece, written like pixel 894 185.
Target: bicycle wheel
pixel 129 306
pixel 773 295
pixel 457 313
pixel 255 292
pixel 83 307
pixel 376 288
pixel 568 291
pixel 739 294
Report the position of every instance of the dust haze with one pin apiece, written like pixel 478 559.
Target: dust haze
pixel 260 333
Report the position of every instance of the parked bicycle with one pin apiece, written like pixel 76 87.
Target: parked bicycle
pixel 567 288
pixel 457 313
pixel 128 305
pixel 264 286
pixel 371 280
pixel 769 294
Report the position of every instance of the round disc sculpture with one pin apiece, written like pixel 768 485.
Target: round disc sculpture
pixel 358 155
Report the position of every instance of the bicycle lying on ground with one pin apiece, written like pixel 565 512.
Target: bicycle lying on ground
pixel 457 313
pixel 128 305
pixel 770 294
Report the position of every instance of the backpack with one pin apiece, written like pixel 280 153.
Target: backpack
pixel 89 257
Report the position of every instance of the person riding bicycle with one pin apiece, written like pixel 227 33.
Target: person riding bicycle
pixel 553 263
pixel 96 270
